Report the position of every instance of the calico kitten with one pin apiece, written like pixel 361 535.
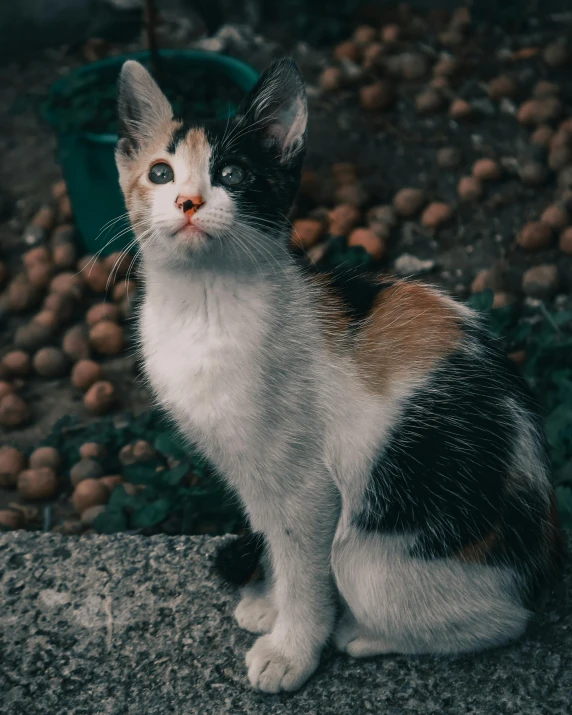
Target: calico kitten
pixel 385 450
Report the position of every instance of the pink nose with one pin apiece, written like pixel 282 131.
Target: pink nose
pixel 189 204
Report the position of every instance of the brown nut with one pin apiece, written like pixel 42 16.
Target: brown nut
pixel 487 170
pixel 85 373
pixel 102 311
pixel 534 236
pixel 32 336
pixel 539 111
pixel 67 283
pixel 92 450
pixel 436 215
pixel 460 109
pixel 12 462
pixel 306 232
pixel 470 188
pixel 75 343
pixel 100 397
pixel 85 469
pixel 540 281
pixel 106 338
pixel 12 519
pixel 88 493
pixel 40 254
pixel 342 219
pixel 22 295
pixel 369 240
pixel 51 362
pixel 13 411
pixel 45 457
pixel 37 483
pixel 17 363
pixel 408 202
pixel 331 79
pixel 555 216
pixel 376 96
pixel 65 255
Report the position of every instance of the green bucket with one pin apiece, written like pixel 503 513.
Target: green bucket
pixel 87 157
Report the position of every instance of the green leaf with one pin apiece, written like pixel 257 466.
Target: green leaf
pixel 152 513
pixel 141 473
pixel 172 445
pixel 564 504
pixel 110 522
pixel 556 422
pixel 174 476
pixel 483 301
pixel 564 474
pixel 563 317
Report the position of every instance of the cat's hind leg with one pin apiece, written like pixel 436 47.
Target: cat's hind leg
pixel 403 604
pixel 354 639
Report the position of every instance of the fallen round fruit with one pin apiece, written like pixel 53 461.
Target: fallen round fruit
pixel 45 457
pixel 85 469
pixel 106 338
pixel 39 483
pixel 85 373
pixel 88 493
pixel 534 236
pixel 13 411
pixel 12 462
pixel 100 397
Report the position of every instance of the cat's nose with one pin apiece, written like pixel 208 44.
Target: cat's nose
pixel 189 204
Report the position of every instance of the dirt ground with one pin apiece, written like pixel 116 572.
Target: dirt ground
pixel 392 149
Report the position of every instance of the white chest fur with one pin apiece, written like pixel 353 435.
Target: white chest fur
pixel 202 340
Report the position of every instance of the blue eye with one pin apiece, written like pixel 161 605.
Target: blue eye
pixel 161 173
pixel 232 175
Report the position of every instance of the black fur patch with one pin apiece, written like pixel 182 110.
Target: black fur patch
pixel 264 199
pixel 444 472
pixel 237 561
pixel 177 137
pixel 356 288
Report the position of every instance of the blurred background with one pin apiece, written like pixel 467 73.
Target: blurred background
pixel 440 148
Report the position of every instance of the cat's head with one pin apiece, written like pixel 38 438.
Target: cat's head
pixel 218 190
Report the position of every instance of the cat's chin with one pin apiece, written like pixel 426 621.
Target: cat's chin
pixel 190 233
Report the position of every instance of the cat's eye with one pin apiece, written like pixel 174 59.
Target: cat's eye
pixel 161 173
pixel 232 175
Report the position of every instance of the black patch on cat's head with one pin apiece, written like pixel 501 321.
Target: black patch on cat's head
pixel 267 138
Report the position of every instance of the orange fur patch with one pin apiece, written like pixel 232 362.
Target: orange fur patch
pixel 477 551
pixel 409 330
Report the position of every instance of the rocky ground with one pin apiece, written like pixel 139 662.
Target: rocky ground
pixel 436 148
pixel 123 625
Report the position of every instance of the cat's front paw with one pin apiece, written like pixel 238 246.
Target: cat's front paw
pixel 255 614
pixel 272 670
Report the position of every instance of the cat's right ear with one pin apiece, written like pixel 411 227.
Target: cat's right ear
pixel 142 108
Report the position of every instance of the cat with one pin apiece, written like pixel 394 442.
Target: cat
pixel 386 452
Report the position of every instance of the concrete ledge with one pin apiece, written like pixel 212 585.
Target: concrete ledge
pixel 124 625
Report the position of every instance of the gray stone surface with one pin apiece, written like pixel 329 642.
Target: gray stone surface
pixel 124 625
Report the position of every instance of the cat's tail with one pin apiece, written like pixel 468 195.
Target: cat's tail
pixel 238 561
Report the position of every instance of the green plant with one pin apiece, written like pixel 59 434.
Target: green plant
pixel 547 339
pixel 182 492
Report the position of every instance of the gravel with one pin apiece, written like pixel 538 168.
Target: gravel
pixel 126 625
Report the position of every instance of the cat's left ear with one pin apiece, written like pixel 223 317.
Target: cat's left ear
pixel 276 107
pixel 142 108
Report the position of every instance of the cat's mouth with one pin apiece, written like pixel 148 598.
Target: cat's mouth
pixel 188 230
